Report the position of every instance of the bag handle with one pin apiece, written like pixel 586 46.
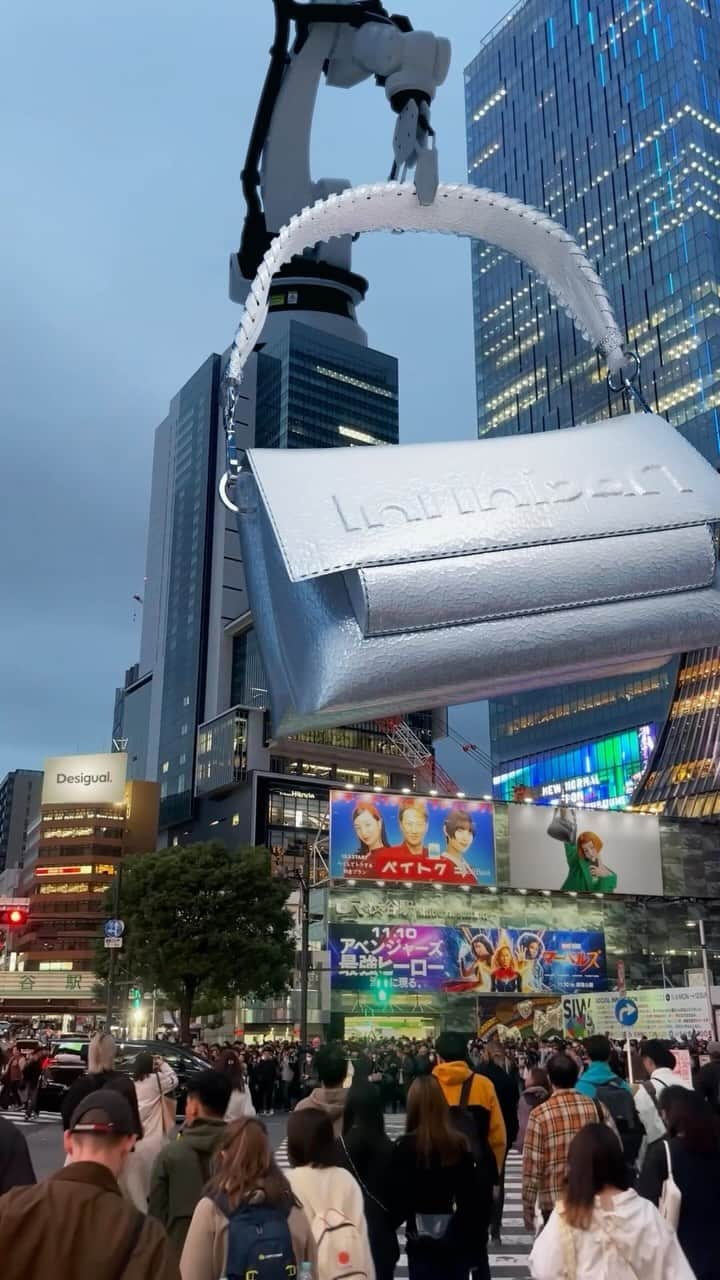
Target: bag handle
pixel 162 1104
pixel 500 220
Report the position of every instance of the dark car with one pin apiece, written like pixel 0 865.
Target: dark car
pixel 69 1060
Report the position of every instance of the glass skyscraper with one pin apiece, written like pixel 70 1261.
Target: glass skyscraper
pixel 607 117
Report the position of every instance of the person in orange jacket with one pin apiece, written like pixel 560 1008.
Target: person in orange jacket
pixel 451 1073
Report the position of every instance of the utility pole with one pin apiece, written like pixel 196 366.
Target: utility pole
pixel 706 975
pixel 304 880
pixel 111 962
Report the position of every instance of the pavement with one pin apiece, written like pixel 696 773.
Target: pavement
pixel 509 1262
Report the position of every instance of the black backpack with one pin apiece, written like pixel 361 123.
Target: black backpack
pixel 620 1103
pixel 474 1123
pixel 259 1242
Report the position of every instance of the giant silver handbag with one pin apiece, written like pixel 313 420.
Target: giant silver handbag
pixel 390 579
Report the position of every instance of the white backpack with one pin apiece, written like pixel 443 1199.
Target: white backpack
pixel 341 1249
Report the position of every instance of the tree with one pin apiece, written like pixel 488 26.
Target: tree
pixel 202 922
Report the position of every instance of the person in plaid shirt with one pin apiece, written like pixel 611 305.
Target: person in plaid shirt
pixel 551 1128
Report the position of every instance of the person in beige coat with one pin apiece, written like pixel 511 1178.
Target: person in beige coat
pixel 245 1173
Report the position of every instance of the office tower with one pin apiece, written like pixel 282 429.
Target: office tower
pixel 607 117
pixel 19 807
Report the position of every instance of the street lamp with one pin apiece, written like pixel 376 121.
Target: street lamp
pixel 696 917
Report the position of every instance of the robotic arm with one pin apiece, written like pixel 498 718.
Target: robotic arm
pixel 347 43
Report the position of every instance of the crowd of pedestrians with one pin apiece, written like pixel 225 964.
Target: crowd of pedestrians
pixel 621 1178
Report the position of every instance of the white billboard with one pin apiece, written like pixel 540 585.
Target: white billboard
pixel 584 850
pixel 98 779
pixel 666 1013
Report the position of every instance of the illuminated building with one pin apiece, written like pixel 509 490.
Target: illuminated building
pixel 75 850
pixel 601 775
pixel 684 778
pixel 607 117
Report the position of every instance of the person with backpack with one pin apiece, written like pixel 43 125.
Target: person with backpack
pixel 248 1222
pixel 494 1065
pixel 600 1229
pixel 330 1196
pixel 183 1167
pixel 601 1082
pixel 537 1089
pixel 443 1195
pixel 465 1091
pixel 367 1153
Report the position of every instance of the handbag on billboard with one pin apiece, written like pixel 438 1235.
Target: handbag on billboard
pixel 563 826
pixel 385 580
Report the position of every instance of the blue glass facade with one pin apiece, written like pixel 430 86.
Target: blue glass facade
pixel 195 409
pixel 607 116
pixel 603 774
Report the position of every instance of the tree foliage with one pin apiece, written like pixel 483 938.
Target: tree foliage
pixel 204 923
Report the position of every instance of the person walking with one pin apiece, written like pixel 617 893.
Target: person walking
pixel 551 1128
pixel 600 1229
pixel 247 1193
pixel 690 1155
pixel 367 1153
pixel 76 1224
pixel 442 1195
pixel 331 1066
pixel 708 1077
pixel 12 1078
pixel 266 1075
pixel 101 1074
pixel 183 1167
pixel 330 1196
pixel 154 1080
pixel 241 1103
pixel 601 1082
pixel 464 1088
pixel 494 1065
pixel 537 1089
pixel 32 1075
pixel 16 1168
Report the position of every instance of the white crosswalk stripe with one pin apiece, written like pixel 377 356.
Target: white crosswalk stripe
pixel 508 1261
pixel 45 1117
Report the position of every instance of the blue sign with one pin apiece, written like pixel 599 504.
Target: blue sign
pixel 114 928
pixel 626 1012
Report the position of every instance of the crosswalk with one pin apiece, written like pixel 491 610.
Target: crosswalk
pixel 45 1117
pixel 508 1261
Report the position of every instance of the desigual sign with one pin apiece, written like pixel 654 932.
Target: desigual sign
pixel 98 779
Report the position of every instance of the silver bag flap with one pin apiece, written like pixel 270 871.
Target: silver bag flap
pixel 337 509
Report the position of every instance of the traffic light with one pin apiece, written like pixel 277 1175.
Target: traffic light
pixel 383 988
pixel 13 917
pixel 136 995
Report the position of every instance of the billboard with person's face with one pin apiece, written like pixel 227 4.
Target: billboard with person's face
pixel 584 850
pixel 425 839
pixel 466 960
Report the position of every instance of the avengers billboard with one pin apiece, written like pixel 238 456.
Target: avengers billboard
pixel 467 959
pixel 420 839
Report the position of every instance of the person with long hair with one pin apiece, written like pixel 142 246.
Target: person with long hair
pixel 154 1080
pixel 439 1191
pixel 326 1190
pixel 369 827
pixel 367 1153
pixel 240 1104
pixel 537 1089
pixel 245 1176
pixel 101 1074
pixel 601 1229
pixel 691 1151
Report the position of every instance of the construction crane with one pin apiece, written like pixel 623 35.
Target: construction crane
pixel 346 44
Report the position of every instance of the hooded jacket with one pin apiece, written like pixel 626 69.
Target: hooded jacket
pixel 451 1077
pixel 330 1100
pixel 598 1073
pixel 622 1243
pixel 179 1176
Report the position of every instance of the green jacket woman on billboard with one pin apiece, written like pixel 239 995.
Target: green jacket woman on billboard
pixel 587 872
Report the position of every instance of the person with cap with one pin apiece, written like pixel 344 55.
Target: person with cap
pixel 184 1166
pixel 76 1223
pixel 708 1077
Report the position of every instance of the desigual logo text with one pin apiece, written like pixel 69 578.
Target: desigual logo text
pixel 82 779
pixel 461 497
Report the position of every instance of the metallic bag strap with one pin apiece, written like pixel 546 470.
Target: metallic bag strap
pixel 497 219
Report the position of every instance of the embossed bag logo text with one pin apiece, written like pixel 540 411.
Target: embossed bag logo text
pixel 459 497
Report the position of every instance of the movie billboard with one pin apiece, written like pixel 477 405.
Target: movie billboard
pixel 584 850
pixel 468 959
pixel 423 839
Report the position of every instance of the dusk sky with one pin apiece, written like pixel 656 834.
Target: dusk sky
pixel 120 203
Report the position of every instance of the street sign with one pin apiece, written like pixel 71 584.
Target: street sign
pixel 626 1012
pixel 114 928
pixel 113 942
pixel 621 977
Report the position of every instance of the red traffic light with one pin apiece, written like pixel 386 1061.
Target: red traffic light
pixel 13 917
pixel 16 916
